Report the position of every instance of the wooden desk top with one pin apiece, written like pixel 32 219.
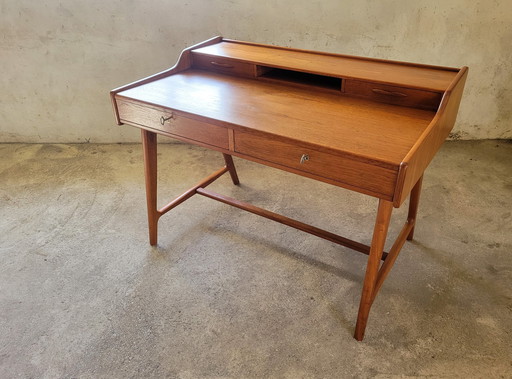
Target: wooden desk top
pixel 347 124
pixel 369 125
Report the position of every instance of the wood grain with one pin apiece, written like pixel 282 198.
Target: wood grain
pixel 378 71
pixel 224 65
pixel 393 95
pixel 380 232
pixel 366 177
pixel 361 128
pixel 183 63
pixel 149 147
pixel 427 145
pixel 172 123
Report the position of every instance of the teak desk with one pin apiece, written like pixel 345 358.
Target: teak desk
pixel 368 125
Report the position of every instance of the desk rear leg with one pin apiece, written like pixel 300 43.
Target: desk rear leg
pixel 231 167
pixel 149 144
pixel 413 206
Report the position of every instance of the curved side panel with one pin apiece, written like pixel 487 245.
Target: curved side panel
pixel 423 151
pixel 183 63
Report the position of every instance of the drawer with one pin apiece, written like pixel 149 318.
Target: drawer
pixel 373 180
pixel 172 123
pixel 393 95
pixel 223 65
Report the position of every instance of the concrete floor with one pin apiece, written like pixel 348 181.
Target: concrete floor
pixel 227 294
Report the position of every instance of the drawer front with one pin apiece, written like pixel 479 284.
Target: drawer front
pixel 371 179
pixel 393 95
pixel 172 123
pixel 223 65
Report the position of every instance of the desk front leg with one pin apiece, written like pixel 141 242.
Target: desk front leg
pixel 380 232
pixel 149 145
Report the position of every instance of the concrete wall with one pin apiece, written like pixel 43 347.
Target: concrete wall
pixel 59 59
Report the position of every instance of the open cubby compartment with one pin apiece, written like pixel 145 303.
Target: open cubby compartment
pixel 299 78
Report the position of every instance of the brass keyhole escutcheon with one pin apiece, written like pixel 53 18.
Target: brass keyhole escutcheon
pixel 304 158
pixel 164 119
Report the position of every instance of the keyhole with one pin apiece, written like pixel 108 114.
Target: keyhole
pixel 164 119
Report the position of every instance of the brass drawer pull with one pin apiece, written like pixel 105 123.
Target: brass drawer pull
pixel 304 158
pixel 389 93
pixel 223 65
pixel 164 119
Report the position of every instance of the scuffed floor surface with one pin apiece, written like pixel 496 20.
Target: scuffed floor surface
pixel 227 294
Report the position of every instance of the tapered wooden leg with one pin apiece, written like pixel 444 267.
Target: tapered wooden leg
pixel 150 171
pixel 380 232
pixel 413 206
pixel 231 167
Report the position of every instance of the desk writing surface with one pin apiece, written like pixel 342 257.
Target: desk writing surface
pixel 354 126
pixel 429 78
